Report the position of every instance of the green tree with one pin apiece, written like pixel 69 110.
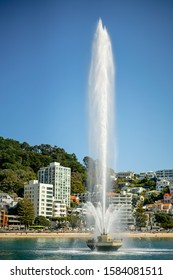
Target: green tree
pixel 152 184
pixel 20 162
pixel 90 166
pixel 26 212
pixel 14 180
pixel 140 216
pixel 165 220
pixel 74 220
pixel 60 222
pixel 76 183
pixel 41 221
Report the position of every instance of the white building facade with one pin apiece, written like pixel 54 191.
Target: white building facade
pixel 6 199
pixel 148 174
pixel 123 202
pixel 59 208
pixel 161 184
pixel 165 174
pixel 125 175
pixel 41 196
pixel 60 177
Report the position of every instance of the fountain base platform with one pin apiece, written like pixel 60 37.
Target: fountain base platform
pixel 104 242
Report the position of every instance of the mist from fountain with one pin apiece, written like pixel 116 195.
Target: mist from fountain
pixel 101 95
pixel 111 224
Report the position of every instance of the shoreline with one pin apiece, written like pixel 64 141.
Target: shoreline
pixel 44 235
pixel 148 234
pixel 4 235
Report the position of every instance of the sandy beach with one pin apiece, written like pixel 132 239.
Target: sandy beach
pixel 82 235
pixel 44 235
pixel 148 234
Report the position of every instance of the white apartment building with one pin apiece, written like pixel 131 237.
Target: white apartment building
pixel 165 174
pixel 137 190
pixel 41 196
pixel 60 177
pixel 123 201
pixel 6 199
pixel 149 174
pixel 125 175
pixel 161 184
pixel 59 208
pixel 142 175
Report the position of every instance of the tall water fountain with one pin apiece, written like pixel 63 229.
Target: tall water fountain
pixel 101 132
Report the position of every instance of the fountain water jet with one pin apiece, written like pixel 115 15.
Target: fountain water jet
pixel 101 125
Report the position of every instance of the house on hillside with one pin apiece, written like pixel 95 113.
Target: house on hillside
pixel 167 198
pixel 161 184
pixel 160 207
pixel 74 198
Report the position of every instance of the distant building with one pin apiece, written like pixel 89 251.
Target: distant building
pixel 148 174
pixel 79 211
pixel 9 221
pixel 93 197
pixel 74 198
pixel 59 208
pixel 123 202
pixel 125 175
pixel 14 222
pixel 41 196
pixel 165 174
pixel 142 175
pixel 82 197
pixel 167 198
pixel 161 184
pixel 160 207
pixel 151 174
pixel 137 190
pixel 6 199
pixel 125 188
pixel 60 177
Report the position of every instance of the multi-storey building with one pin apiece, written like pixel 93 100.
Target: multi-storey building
pixel 125 175
pixel 161 184
pixel 41 196
pixel 60 177
pixel 149 174
pixel 165 174
pixel 59 208
pixel 123 202
pixel 9 221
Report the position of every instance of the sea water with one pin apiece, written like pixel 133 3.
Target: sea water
pixel 76 249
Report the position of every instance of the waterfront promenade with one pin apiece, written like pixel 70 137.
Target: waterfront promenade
pixel 29 234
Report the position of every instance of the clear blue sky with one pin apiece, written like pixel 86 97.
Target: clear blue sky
pixel 45 50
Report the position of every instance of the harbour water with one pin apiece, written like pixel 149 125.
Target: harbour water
pixel 76 249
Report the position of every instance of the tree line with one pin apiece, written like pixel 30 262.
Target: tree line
pixel 20 162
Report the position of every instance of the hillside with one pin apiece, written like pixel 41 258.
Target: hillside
pixel 19 163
